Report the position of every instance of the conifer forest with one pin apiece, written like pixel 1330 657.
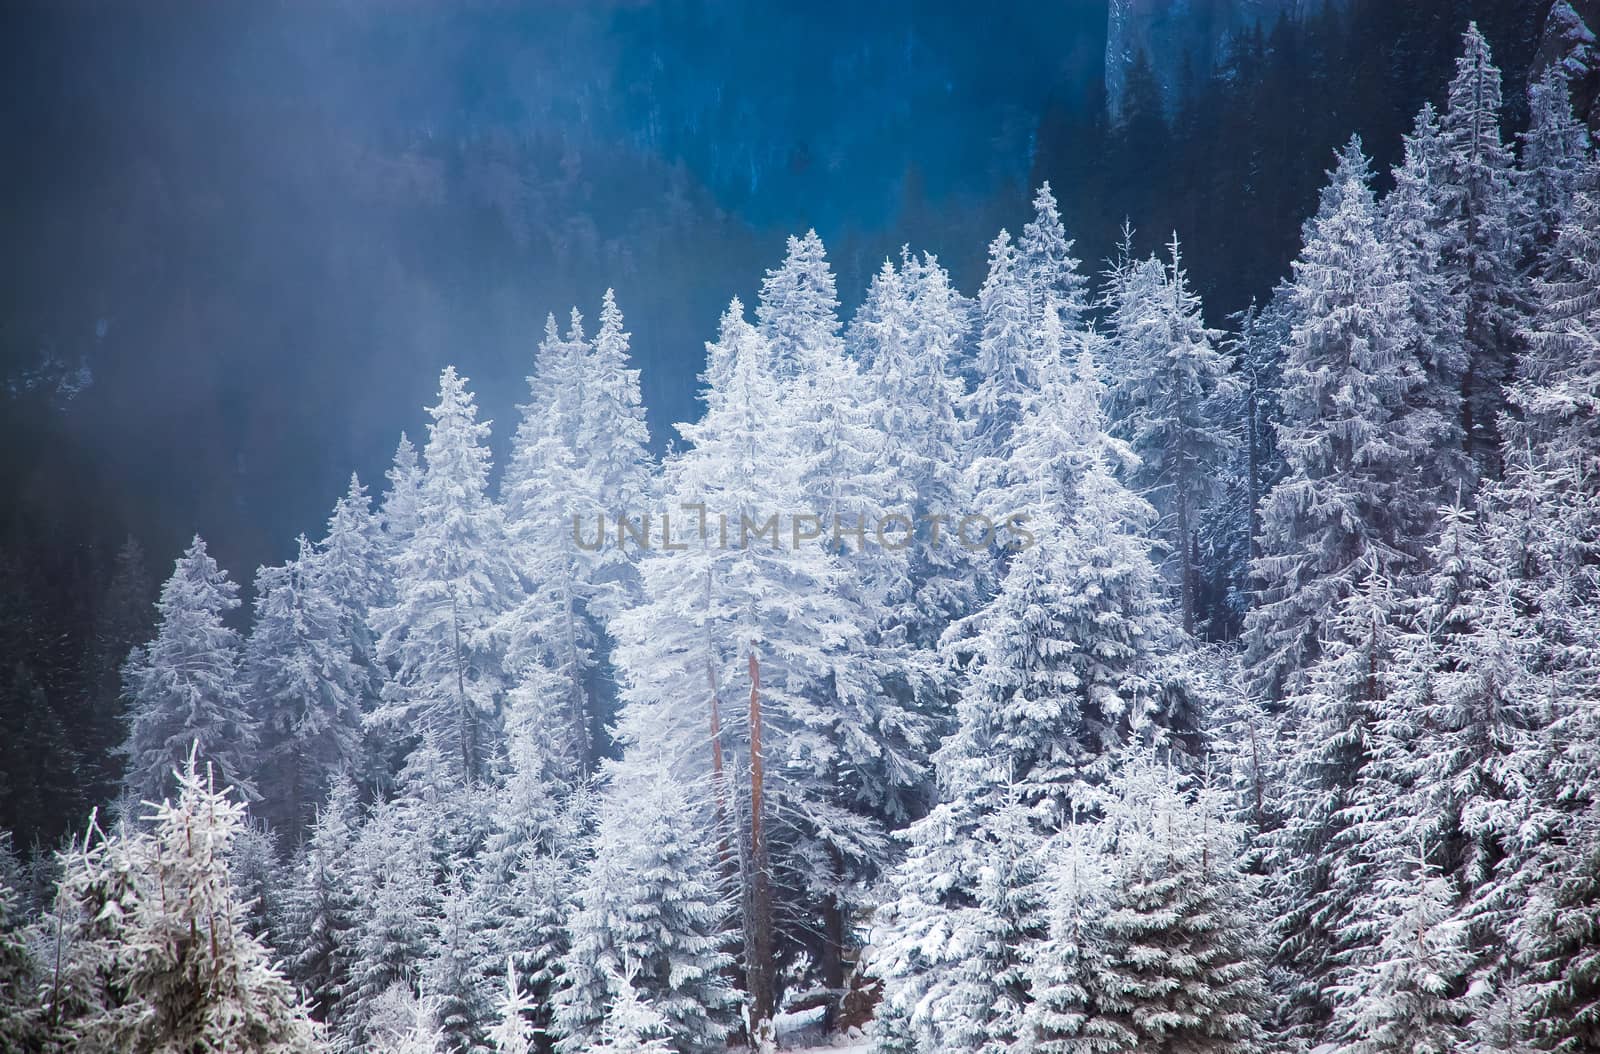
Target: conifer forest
pixel 1148 606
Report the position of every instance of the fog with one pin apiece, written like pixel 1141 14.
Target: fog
pixel 260 229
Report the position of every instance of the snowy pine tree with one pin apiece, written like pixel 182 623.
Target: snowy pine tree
pixel 322 913
pixel 650 901
pixel 306 688
pixel 1183 968
pixel 1350 435
pixel 184 687
pixel 1005 370
pixel 1401 997
pixel 1475 197
pixel 453 582
pixel 1169 398
pixel 167 937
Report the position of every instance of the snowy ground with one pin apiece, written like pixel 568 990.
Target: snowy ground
pixel 798 1032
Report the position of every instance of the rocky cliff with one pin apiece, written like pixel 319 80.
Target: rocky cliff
pixel 1569 43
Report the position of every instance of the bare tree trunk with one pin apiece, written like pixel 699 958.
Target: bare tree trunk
pixel 1186 566
pixel 833 930
pixel 463 717
pixel 718 779
pixel 759 966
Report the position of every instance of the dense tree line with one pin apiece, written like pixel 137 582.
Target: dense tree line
pixel 893 675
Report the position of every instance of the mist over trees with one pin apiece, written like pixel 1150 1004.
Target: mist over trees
pixel 1051 668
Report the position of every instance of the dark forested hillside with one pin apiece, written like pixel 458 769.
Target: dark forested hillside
pixel 1235 162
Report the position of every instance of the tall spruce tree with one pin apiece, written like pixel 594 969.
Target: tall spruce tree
pixel 1474 195
pixel 306 688
pixel 183 689
pixel 1350 434
pixel 453 582
pixel 651 902
pixel 1168 399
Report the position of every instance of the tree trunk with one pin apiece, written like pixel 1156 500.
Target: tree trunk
pixel 833 933
pixel 718 785
pixel 464 717
pixel 1186 566
pixel 760 968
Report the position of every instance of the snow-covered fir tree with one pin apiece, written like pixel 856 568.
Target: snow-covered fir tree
pixel 525 878
pixel 1402 997
pixel 613 442
pixel 453 582
pixel 322 911
pixel 157 918
pixel 1169 398
pixel 1049 270
pixel 652 902
pixel 1005 372
pixel 740 591
pixel 305 688
pixel 1475 203
pixel 908 336
pixel 1183 967
pixel 22 1019
pixel 1554 149
pixel 1318 867
pixel 1434 303
pixel 550 500
pixel 184 688
pixel 400 866
pixel 1068 965
pixel 1350 436
pixel 350 563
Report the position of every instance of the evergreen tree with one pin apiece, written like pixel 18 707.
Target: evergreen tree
pixel 550 496
pixel 738 590
pixel 525 877
pixel 632 1025
pixel 1182 961
pixel 1434 304
pixel 1475 759
pixel 183 689
pixel 400 867
pixel 1005 372
pixel 399 510
pixel 1319 866
pixel 1056 674
pixel 22 1021
pixel 305 686
pixel 1403 998
pixel 453 582
pixel 1068 966
pixel 798 313
pixel 453 981
pixel 168 938
pixel 954 948
pixel 1350 436
pixel 1048 269
pixel 323 913
pixel 1554 151
pixel 512 1033
pixel 1475 196
pixel 908 336
pixel 351 567
pixel 649 901
pixel 614 443
pixel 1561 943
pixel 1171 390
